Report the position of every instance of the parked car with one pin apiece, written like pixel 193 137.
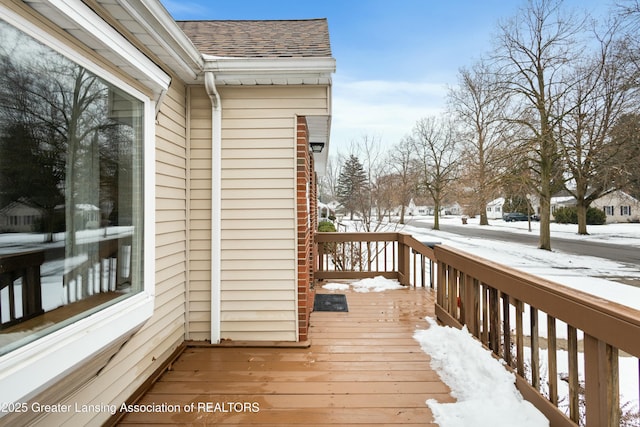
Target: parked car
pixel 515 216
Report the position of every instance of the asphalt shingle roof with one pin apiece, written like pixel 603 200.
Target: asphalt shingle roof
pixel 260 39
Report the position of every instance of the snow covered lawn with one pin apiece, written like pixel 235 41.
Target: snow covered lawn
pixel 580 272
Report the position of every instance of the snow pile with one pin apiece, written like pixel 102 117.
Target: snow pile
pixel 336 287
pixel 376 284
pixel 485 391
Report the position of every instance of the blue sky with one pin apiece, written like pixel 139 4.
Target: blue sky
pixel 395 59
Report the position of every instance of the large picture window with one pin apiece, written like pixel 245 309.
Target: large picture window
pixel 71 184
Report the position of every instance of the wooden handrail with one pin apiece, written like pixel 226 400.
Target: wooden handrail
pixel 491 299
pixel 24 268
pixel 607 320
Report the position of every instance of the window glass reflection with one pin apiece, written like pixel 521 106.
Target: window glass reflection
pixel 70 191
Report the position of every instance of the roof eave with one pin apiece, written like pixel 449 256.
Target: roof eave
pixel 96 23
pixel 173 45
pixel 270 71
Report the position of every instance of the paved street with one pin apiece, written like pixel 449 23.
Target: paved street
pixel 619 253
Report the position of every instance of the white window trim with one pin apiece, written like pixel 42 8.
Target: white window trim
pixel 30 369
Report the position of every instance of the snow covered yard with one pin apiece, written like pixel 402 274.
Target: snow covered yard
pixel 580 272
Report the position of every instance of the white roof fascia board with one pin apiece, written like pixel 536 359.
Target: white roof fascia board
pixel 161 26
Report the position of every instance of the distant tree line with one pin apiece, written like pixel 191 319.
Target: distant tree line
pixel 552 106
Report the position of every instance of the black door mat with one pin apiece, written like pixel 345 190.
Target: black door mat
pixel 330 302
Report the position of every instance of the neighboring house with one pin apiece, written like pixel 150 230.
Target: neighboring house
pixel 619 207
pixel 453 209
pixel 325 212
pixel 87 215
pixel 494 208
pixel 203 159
pixel 19 217
pixel 417 210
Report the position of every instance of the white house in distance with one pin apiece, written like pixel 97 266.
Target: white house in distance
pixel 494 208
pixel 198 138
pixel 617 205
pixel 19 216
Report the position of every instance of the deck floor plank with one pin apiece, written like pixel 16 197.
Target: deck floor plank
pixel 363 368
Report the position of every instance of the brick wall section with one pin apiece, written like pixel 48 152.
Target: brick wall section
pixel 307 223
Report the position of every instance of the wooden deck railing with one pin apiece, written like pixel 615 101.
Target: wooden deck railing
pixel 362 255
pixel 106 267
pixel 492 301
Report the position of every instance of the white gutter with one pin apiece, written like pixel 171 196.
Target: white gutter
pixel 216 195
pixel 270 71
pixel 234 65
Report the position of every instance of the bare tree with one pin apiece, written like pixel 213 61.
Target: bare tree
pixel 629 13
pixel 535 49
pixel 329 181
pixel 369 149
pixel 434 143
pixel 404 173
pixel 600 97
pixel 479 104
pixel 626 133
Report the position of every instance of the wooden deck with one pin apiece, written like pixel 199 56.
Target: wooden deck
pixel 362 368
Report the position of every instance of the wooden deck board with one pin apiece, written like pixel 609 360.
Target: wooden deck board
pixel 362 368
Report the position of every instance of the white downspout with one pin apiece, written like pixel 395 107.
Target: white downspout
pixel 216 195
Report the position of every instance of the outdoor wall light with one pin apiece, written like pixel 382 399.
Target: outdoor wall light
pixel 316 147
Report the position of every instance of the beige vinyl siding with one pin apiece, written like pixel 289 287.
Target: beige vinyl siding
pixel 143 353
pixel 258 298
pixel 258 236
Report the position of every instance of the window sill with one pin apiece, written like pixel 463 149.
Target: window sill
pixel 29 370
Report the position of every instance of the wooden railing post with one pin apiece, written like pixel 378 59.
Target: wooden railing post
pixel 24 266
pixel 552 362
pixel 404 262
pixel 441 284
pixel 494 320
pixel 574 391
pixel 319 257
pixel 601 383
